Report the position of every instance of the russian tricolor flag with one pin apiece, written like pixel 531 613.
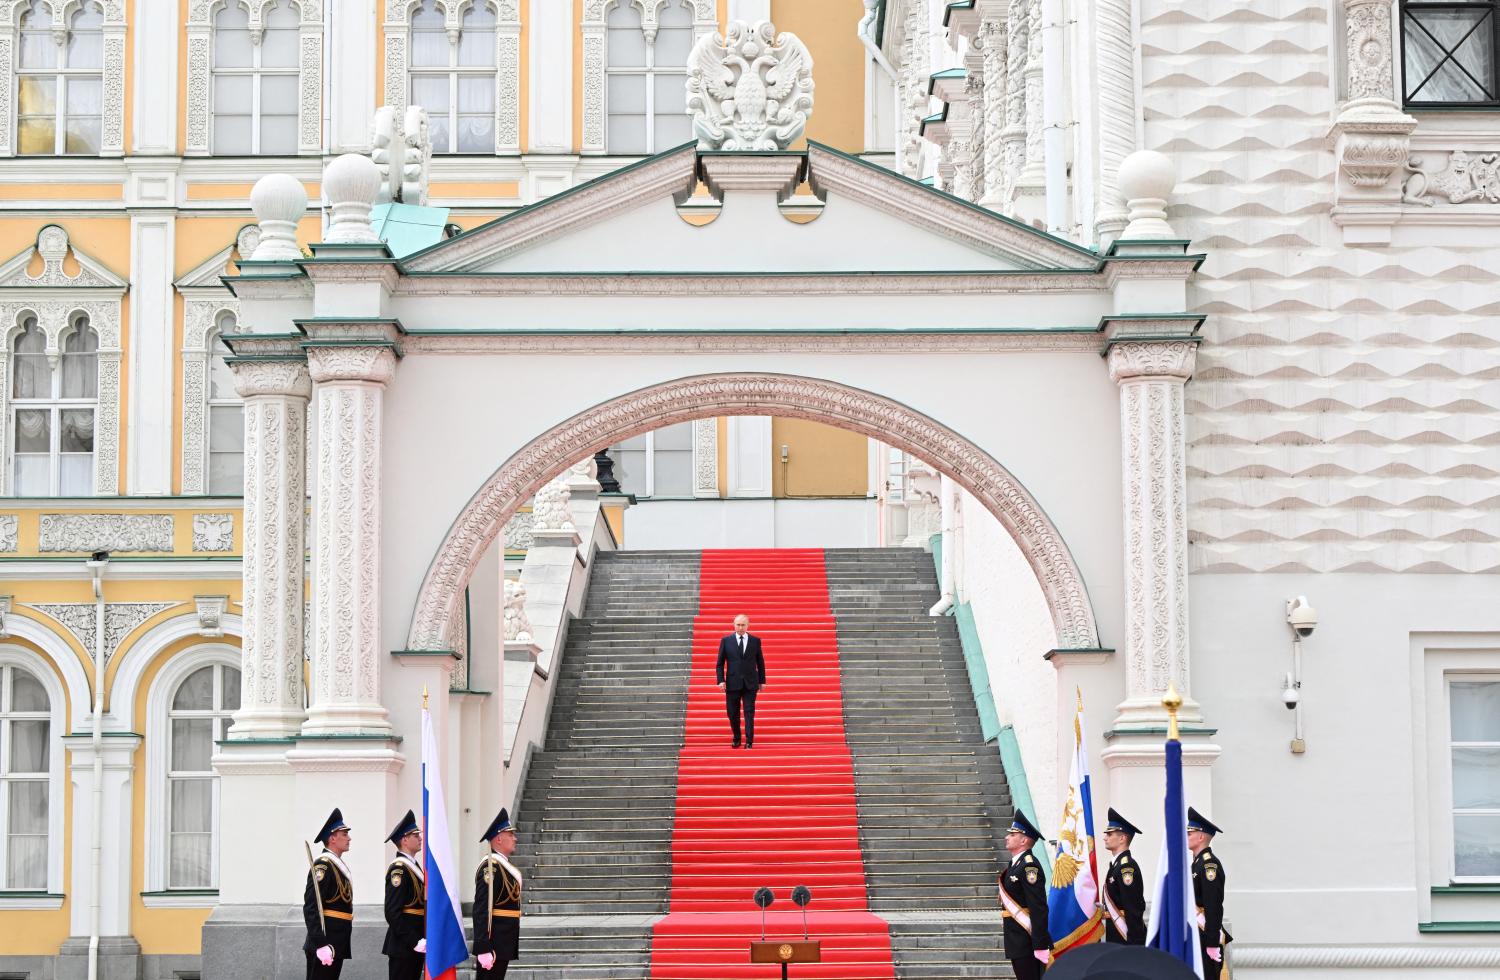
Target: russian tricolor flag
pixel 1174 926
pixel 445 929
pixel 1073 915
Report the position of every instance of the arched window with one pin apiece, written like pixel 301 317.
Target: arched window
pixel 54 411
pixel 197 717
pixel 255 81
pixel 25 778
pixel 453 78
pixel 646 99
pixel 226 418
pixel 60 86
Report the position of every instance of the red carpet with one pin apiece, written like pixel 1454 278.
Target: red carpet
pixel 781 814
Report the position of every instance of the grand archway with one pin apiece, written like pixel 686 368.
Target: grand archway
pixel 864 412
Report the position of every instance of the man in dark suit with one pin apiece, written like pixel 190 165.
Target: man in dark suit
pixel 741 672
pixel 1124 891
pixel 1023 896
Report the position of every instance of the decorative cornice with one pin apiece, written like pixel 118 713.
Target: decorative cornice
pixel 370 364
pixel 752 394
pixel 769 342
pixel 754 284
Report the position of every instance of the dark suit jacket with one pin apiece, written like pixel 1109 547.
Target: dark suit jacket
pixel 338 909
pixel 1025 881
pixel 736 672
pixel 405 909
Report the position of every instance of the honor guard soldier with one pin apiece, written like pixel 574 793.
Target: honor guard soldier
pixel 328 902
pixel 497 902
pixel 406 903
pixel 1208 892
pixel 1023 893
pixel 1124 889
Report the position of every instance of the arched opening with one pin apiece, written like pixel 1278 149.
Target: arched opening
pixel 706 396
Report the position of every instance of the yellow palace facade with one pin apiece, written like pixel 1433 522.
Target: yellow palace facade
pixel 131 134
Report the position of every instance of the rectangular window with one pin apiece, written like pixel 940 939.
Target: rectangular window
pixel 645 96
pixel 1448 53
pixel 25 773
pixel 657 464
pixel 1474 745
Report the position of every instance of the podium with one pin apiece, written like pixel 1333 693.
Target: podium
pixel 786 952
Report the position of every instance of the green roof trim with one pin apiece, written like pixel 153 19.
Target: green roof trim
pixel 936 117
pixel 1459 927
pixel 956 5
pixel 1475 888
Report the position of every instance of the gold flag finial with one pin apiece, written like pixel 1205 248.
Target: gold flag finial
pixel 1171 701
pixel 1078 693
pixel 424 697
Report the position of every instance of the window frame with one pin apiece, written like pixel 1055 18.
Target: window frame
pixel 62 75
pixel 210 403
pixel 256 74
pixel 54 405
pixel 1453 811
pixel 649 451
pixel 1493 83
pixel 650 72
pixel 454 72
pixel 15 656
pixel 159 716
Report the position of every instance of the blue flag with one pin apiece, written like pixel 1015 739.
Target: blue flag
pixel 1174 926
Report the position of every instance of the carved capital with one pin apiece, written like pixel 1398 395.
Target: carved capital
pixel 1155 360
pixel 287 379
pixel 1369 160
pixel 372 364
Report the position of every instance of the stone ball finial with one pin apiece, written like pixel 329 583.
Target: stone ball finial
pixel 350 183
pixel 1146 180
pixel 279 201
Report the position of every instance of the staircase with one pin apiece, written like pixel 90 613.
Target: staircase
pixel 597 813
pixel 931 792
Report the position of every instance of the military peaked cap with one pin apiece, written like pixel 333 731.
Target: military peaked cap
pixel 1197 821
pixel 1020 823
pixel 406 825
pixel 500 825
pixel 335 823
pixel 1117 822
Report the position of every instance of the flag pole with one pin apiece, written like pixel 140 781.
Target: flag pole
pixel 1172 701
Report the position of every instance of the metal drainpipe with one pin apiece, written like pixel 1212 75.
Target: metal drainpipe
pixel 1054 128
pixel 95 565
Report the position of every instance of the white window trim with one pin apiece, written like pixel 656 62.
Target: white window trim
pixel 596 58
pixel 53 297
pixel 200 36
pixel 507 60
pixel 158 712
pixel 650 71
pixel 112 108
pixel 18 656
pixel 63 76
pixel 1436 657
pixel 55 404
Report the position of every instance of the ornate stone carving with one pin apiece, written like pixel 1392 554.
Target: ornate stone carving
pixel 199 320
pixel 1467 178
pixel 1369 160
pixel 550 509
pixel 993 33
pixel 517 624
pixel 915 56
pixel 346 658
pixel 706 457
pixel 211 614
pixel 761 394
pixel 87 533
pixel 1115 59
pixel 273 568
pixel 749 89
pixel 1367 26
pixel 8 524
pixel 5 604
pixel 120 620
pixel 416 156
pixel 52 245
pixel 517 536
pixel 508 79
pixel 1152 359
pixel 213 532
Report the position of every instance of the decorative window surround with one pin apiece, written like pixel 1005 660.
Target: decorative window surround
pixel 158 711
pixel 507 60
pixel 205 299
pixel 595 12
pixel 706 458
pixel 24 659
pixel 112 128
pixel 55 298
pixel 200 70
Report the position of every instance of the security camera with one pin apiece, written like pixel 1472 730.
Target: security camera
pixel 1290 695
pixel 1301 617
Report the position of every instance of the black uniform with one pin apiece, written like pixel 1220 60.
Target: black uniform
pixel 405 919
pixel 337 922
pixel 1208 892
pixel 1125 894
pixel 497 926
pixel 1026 883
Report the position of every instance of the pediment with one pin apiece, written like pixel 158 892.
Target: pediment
pixel 870 220
pixel 53 246
pixel 208 274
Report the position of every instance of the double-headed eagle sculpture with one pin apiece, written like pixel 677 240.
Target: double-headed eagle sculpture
pixel 751 89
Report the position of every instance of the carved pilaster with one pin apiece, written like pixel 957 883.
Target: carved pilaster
pixel 914 101
pixel 1032 180
pixel 1013 136
pixel 1370 137
pixel 346 657
pixel 275 395
pixel 1151 376
pixel 992 33
pixel 1115 47
pixel 706 458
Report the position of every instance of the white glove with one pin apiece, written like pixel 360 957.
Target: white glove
pixel 1214 954
pixel 421 946
pixel 1044 955
pixel 325 955
pixel 486 960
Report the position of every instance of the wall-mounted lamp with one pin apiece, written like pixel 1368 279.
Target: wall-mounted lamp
pixel 1302 618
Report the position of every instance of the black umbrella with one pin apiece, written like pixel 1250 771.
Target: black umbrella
pixel 1108 961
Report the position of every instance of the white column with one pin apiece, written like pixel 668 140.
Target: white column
pixel 115 841
pixel 550 94
pixel 1151 376
pixel 1114 94
pixel 349 391
pixel 275 395
pixel 152 406
pixel 156 31
pixel 351 69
